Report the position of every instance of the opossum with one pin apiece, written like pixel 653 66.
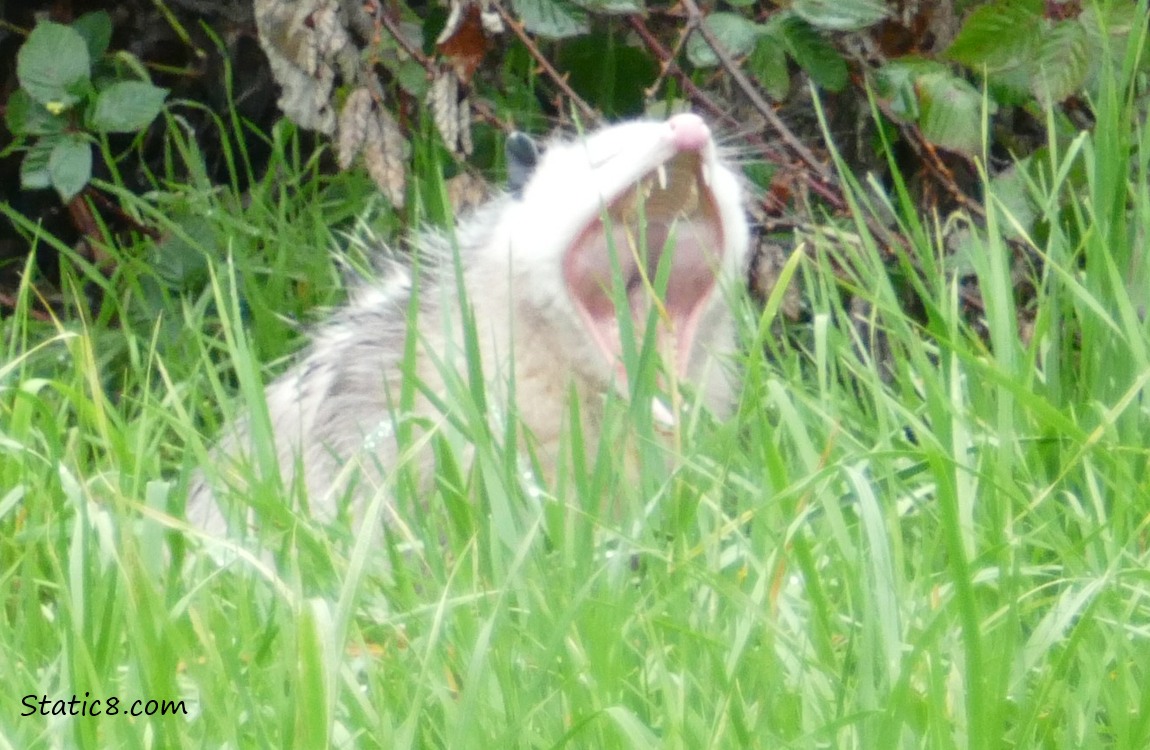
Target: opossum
pixel 541 270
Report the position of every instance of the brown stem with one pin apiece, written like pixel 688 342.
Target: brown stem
pixel 695 19
pixel 92 240
pixel 589 114
pixel 416 54
pixel 668 65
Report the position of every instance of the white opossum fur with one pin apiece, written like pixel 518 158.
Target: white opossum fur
pixel 537 273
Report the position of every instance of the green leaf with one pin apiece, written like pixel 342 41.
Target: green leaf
pixel 412 77
pixel 34 168
pixel 70 166
pixel 811 51
pixel 556 19
pixel 26 116
pixel 96 29
pixel 736 34
pixel 840 15
pixel 614 7
pixel 1116 20
pixel 947 109
pixel 768 64
pixel 1009 188
pixel 178 259
pixel 760 173
pixel 1061 62
pixel 895 85
pixel 611 76
pixel 51 64
pixel 950 112
pixel 998 36
pixel 127 107
pixel 1108 27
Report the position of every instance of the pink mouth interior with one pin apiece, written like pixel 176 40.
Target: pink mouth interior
pixel 681 219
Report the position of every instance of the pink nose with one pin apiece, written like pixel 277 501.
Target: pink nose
pixel 689 132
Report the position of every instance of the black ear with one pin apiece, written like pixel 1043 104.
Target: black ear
pixel 522 156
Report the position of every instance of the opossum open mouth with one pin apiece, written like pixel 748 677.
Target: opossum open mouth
pixel 658 244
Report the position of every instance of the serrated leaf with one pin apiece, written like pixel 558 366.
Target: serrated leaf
pixel 946 108
pixel 840 15
pixel 179 259
pixel 1114 19
pixel 615 7
pixel 127 107
pixel 1061 62
pixel 768 64
pixel 51 63
pixel 735 33
pixel 1009 189
pixel 26 116
pixel 557 19
pixel 811 51
pixel 896 84
pixel 70 166
pixel 96 29
pixel 1108 26
pixel 950 112
pixel 34 168
pixel 998 36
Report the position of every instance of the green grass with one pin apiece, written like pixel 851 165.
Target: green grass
pixel 949 554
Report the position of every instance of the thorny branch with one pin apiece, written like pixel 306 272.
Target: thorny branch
pixel 415 53
pixel 926 151
pixel 669 66
pixel 695 20
pixel 934 163
pixel 516 26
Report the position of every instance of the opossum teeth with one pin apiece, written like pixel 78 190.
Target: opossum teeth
pixel 661 172
pixel 705 170
pixel 661 414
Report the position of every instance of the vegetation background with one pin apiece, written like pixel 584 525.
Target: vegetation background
pixel 925 527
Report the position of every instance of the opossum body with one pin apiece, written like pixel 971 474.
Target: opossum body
pixel 590 221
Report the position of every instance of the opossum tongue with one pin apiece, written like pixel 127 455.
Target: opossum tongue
pixel 657 246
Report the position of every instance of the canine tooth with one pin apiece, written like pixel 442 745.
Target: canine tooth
pixel 662 415
pixel 706 171
pixel 661 173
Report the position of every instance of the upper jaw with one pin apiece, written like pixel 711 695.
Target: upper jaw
pixel 658 244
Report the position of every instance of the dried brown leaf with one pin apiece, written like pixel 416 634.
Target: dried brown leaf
pixel 354 122
pixel 384 155
pixel 467 191
pixel 450 111
pixel 306 44
pixel 466 36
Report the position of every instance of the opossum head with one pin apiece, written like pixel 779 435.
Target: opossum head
pixel 596 220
